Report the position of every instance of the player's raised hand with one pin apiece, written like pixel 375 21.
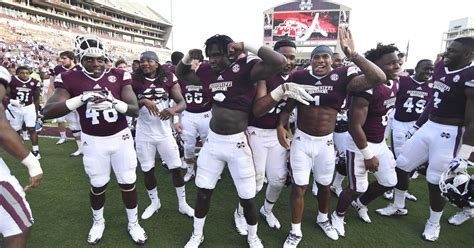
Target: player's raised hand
pixel 346 41
pixel 196 54
pixel 235 50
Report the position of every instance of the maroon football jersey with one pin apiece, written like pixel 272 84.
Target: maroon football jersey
pixel 411 99
pixel 194 95
pixel 381 99
pixel 60 69
pixel 23 90
pixel 154 88
pixel 232 88
pixel 330 90
pixel 96 123
pixel 449 100
pixel 270 119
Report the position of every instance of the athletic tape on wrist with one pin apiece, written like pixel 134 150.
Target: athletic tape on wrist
pixel 120 106
pixel 367 153
pixel 74 103
pixel 33 165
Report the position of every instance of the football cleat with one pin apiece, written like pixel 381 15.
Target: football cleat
pixel 76 153
pixel 392 210
pixel 25 136
pixel 415 175
pixel 194 241
pixel 151 209
pixel 96 232
pixel 255 243
pixel 431 232
pixel 338 224
pixel 36 154
pixel 240 223
pixel 61 141
pixel 186 210
pixel 461 217
pixel 335 190
pixel 137 233
pixel 272 221
pixel 328 229
pixel 292 240
pixel 388 195
pixel 189 174
pixel 362 211
pixel 410 196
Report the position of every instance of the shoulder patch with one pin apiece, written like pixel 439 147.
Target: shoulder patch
pixel 127 76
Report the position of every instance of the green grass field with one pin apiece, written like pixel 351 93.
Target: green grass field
pixel 63 217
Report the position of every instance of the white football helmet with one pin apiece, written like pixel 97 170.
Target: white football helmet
pixel 457 188
pixel 89 46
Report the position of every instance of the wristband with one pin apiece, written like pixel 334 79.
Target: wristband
pixel 465 151
pixel 33 165
pixel 187 59
pixel 120 106
pixel 74 103
pixel 367 153
pixel 251 48
pixel 175 119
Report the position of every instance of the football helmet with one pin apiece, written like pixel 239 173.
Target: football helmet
pixel 89 46
pixel 457 188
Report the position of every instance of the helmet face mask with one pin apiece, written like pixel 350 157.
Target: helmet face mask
pixel 89 46
pixel 457 188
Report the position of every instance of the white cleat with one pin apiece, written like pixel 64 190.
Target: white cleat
pixel 314 190
pixel 186 210
pixel 388 195
pixel 194 241
pixel 415 175
pixel 96 232
pixel 61 141
pixel 189 174
pixel 150 210
pixel 36 154
pixel 272 221
pixel 336 190
pixel 328 229
pixel 392 210
pixel 240 223
pixel 137 233
pixel 461 217
pixel 362 211
pixel 431 232
pixel 410 196
pixel 76 153
pixel 255 243
pixel 25 137
pixel 292 241
pixel 338 224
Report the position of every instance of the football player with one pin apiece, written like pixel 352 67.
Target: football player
pixel 67 61
pixel 155 87
pixel 312 147
pixel 441 140
pixel 230 79
pixel 366 147
pixel 24 104
pixel 102 98
pixel 194 121
pixel 15 213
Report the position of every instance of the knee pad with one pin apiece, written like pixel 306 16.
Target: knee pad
pixel 98 190
pixel 127 187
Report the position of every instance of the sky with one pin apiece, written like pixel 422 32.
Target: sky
pixel 421 22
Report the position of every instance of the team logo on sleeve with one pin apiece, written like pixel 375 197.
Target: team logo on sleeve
pixel 334 77
pixel 456 78
pixel 112 79
pixel 236 68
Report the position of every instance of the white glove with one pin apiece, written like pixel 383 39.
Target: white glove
pixel 411 132
pixel 294 91
pixel 16 103
pixel 92 96
pixel 458 165
pixel 110 103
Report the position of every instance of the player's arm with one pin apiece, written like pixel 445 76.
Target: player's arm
pixel 11 143
pixel 272 62
pixel 372 74
pixel 178 106
pixel 129 104
pixel 50 87
pixel 467 146
pixel 184 69
pixel 36 98
pixel 263 101
pixel 357 116
pixel 283 123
